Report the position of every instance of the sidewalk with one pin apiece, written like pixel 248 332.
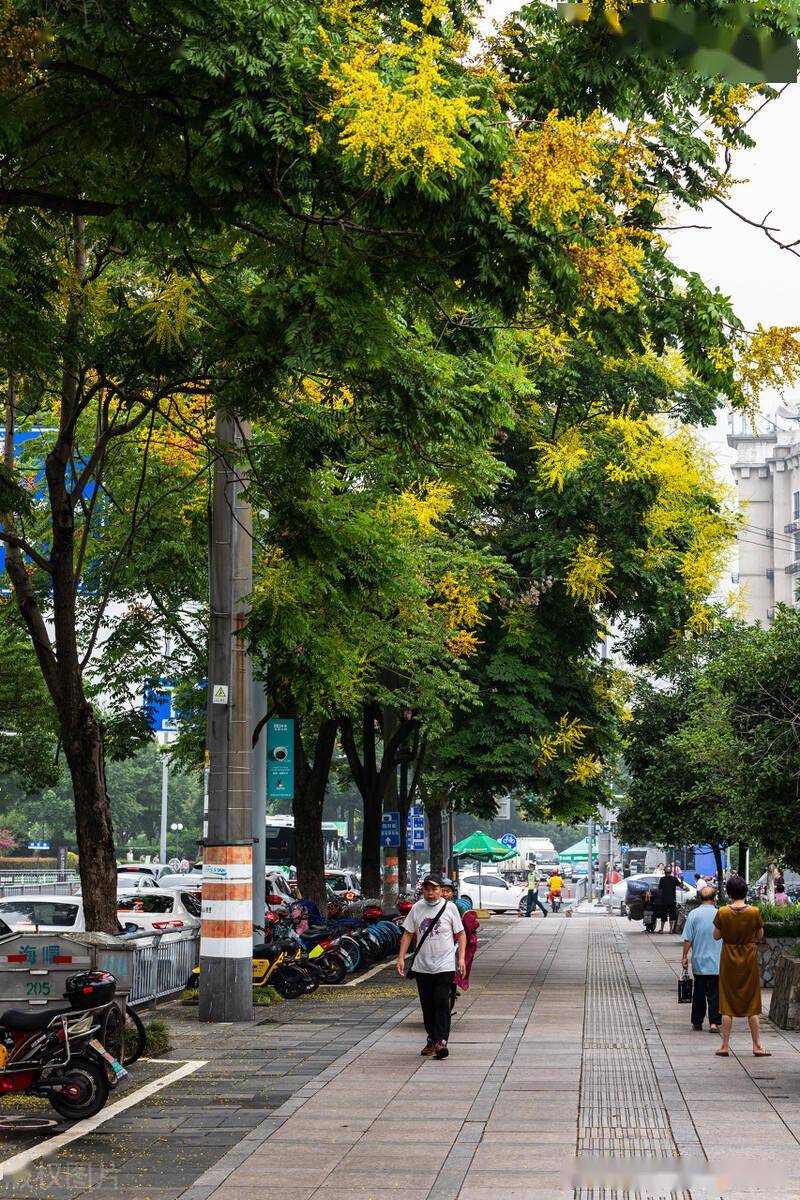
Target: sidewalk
pixel 570 1042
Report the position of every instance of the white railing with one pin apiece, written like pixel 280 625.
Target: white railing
pixel 162 965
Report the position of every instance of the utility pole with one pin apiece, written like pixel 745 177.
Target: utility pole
pixel 226 944
pixel 259 719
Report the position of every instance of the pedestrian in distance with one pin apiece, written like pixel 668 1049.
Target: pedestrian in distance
pixel 659 871
pixel 781 899
pixel 440 951
pixel 739 926
pixel 533 893
pixel 698 936
pixel 666 903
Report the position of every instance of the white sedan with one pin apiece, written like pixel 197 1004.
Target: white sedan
pixel 646 881
pixel 160 910
pixel 494 893
pixel 43 914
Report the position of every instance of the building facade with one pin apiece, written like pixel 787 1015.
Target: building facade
pixel 766 469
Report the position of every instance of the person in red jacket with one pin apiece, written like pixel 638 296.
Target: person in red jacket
pixel 471 926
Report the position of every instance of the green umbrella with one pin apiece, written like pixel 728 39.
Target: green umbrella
pixel 483 848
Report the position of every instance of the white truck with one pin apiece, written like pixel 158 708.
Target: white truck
pixel 540 851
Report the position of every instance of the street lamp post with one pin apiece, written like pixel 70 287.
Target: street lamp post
pixel 176 827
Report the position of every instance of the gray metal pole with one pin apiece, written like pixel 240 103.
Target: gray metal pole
pixel 227 923
pixel 259 806
pixel 162 841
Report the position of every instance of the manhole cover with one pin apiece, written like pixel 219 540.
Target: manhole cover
pixel 26 1124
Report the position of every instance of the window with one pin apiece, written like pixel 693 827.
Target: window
pixel 797 547
pixel 493 881
pixel 191 903
pixel 147 902
pixel 39 912
pixel 796 506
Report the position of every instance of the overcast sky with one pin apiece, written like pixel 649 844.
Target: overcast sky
pixel 762 280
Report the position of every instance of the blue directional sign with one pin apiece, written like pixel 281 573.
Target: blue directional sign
pixel 280 759
pixel 415 836
pixel 390 829
pixel 509 840
pixel 158 706
pixel 38 845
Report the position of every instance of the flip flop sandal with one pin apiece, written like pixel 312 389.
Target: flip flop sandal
pixel 762 1054
pixel 722 1053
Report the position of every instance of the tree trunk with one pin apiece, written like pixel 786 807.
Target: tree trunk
pixel 309 801
pixel 371 845
pixel 717 849
pixel 83 749
pixel 58 653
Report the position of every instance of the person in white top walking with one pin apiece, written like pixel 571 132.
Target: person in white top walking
pixel 441 949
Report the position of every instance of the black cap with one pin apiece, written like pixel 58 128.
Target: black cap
pixel 437 879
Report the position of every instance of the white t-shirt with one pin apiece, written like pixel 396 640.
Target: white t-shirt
pixel 438 952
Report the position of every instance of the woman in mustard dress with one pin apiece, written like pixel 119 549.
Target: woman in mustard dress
pixel 739 926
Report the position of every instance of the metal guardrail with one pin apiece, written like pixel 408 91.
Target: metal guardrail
pixel 60 888
pixel 162 964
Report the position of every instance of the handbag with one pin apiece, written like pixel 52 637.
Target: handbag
pixel 685 988
pixel 411 973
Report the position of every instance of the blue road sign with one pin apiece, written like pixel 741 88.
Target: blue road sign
pixel 38 845
pixel 509 840
pixel 390 829
pixel 280 759
pixel 158 706
pixel 415 836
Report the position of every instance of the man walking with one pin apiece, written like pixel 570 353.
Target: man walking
pixel 533 892
pixel 440 952
pixel 698 934
pixel 665 899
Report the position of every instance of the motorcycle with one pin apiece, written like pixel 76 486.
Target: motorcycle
pixel 58 1052
pixel 555 901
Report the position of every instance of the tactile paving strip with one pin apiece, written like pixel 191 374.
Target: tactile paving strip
pixel 621 1113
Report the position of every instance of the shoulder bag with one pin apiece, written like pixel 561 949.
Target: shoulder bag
pixel 410 973
pixel 685 988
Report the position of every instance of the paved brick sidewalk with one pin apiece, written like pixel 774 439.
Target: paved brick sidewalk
pixel 569 1042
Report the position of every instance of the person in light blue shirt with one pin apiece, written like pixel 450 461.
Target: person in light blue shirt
pixel 698 935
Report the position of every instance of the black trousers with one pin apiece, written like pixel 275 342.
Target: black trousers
pixel 434 999
pixel 533 900
pixel 705 995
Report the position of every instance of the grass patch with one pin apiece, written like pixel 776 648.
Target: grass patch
pixel 158 1035
pixel 266 995
pixel 189 998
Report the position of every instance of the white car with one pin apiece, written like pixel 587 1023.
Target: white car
pixel 154 870
pixel 42 913
pixel 646 880
pixel 160 910
pixel 133 882
pixel 495 894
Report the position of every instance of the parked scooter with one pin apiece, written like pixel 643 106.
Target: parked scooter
pixel 58 1052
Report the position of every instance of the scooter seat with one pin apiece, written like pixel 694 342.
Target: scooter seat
pixel 34 1018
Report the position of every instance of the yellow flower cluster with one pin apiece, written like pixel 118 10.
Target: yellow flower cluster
pixel 394 109
pixel 567 737
pixel 587 574
pixel 729 101
pixel 420 510
pixel 608 269
pixel 552 169
pixel 585 768
pixel 459 604
pixel 559 459
pixel 769 359
pixel 462 644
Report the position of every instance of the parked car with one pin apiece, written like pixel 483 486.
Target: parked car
pixel 46 914
pixel 344 884
pixel 635 887
pixel 160 910
pixel 154 870
pixel 495 893
pixel 134 880
pixel 192 881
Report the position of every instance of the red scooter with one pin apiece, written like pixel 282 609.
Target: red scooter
pixel 58 1052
